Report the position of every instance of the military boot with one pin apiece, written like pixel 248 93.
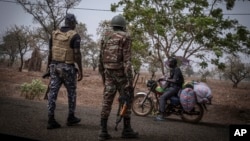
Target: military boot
pixel 103 133
pixel 52 124
pixel 72 120
pixel 128 132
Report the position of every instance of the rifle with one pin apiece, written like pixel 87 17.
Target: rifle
pixel 101 71
pixel 47 92
pixel 46 75
pixel 123 101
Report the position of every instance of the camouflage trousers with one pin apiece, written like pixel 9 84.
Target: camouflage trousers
pixel 115 81
pixel 62 74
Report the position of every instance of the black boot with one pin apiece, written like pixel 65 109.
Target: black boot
pixel 72 120
pixel 128 132
pixel 103 133
pixel 52 124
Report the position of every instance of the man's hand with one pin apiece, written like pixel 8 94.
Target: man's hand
pixel 46 75
pixel 79 76
pixel 129 84
pixel 161 79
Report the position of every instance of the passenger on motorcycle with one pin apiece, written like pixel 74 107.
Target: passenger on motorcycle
pixel 173 85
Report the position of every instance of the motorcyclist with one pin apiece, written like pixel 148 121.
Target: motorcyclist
pixel 173 85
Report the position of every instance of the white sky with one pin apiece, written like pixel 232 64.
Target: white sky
pixel 12 14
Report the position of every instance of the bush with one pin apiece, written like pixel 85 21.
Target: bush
pixel 33 90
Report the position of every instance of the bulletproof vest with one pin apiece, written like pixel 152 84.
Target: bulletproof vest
pixel 112 50
pixel 61 50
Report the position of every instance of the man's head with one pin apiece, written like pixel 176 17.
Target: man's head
pixel 171 62
pixel 118 22
pixel 70 20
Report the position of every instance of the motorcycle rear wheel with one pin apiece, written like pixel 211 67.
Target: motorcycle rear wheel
pixel 142 109
pixel 195 115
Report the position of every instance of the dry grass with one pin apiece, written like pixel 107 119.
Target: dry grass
pixel 89 92
pixel 90 88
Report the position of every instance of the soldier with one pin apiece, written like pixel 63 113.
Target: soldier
pixel 64 52
pixel 116 71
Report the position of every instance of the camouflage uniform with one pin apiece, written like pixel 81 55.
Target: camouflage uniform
pixel 61 73
pixel 116 70
pixel 117 64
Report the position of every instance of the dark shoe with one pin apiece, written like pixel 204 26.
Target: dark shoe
pixel 160 118
pixel 52 124
pixel 128 132
pixel 72 120
pixel 103 133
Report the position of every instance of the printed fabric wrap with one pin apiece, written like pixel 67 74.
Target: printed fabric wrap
pixel 187 99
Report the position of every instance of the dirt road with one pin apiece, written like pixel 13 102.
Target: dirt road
pixel 28 119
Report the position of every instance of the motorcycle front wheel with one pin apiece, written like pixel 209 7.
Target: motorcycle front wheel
pixel 142 109
pixel 193 116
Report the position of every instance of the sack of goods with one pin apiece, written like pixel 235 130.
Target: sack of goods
pixel 203 93
pixel 187 99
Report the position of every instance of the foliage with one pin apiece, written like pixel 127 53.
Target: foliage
pixel 204 74
pixel 16 43
pixel 235 70
pixel 33 90
pixel 48 13
pixel 89 48
pixel 186 28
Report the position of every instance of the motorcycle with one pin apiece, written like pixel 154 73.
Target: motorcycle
pixel 145 103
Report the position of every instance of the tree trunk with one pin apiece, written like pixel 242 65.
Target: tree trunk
pixel 235 85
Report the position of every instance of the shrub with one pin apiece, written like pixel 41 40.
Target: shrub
pixel 33 90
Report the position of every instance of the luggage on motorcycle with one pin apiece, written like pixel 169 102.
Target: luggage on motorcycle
pixel 187 99
pixel 203 93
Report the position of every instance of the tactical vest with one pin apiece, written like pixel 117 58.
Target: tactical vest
pixel 61 50
pixel 112 50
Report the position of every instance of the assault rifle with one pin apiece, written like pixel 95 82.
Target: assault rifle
pixel 124 101
pixel 46 75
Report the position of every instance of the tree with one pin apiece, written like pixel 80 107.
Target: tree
pixel 16 43
pixel 189 70
pixel 48 13
pixel 89 48
pixel 235 70
pixel 204 74
pixel 168 29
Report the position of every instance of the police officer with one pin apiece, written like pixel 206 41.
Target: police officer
pixel 64 52
pixel 173 85
pixel 115 67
